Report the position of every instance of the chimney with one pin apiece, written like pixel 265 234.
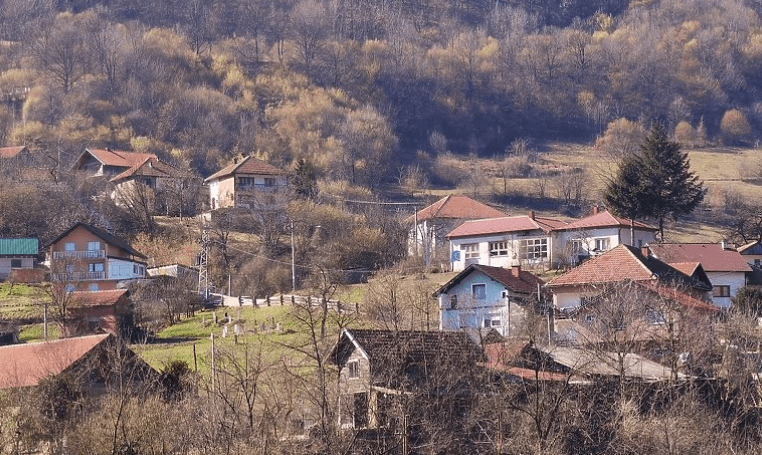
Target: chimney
pixel 516 271
pixel 595 210
pixel 645 251
pixel 724 245
pixel 235 160
pixel 531 214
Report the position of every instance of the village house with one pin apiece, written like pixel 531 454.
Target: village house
pixel 596 234
pixel 483 297
pixel 234 185
pixel 726 268
pixel 503 242
pixel 432 223
pixel 96 312
pixel 107 162
pixel 752 253
pixel 88 258
pixel 150 173
pixel 382 371
pixel 91 363
pixel 582 284
pixel 17 254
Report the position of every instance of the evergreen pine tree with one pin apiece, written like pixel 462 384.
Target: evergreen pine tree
pixel 656 184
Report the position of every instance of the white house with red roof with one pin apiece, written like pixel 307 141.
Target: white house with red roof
pixel 622 264
pixel 503 242
pixel 230 186
pixel 96 162
pixel 149 172
pixel 726 268
pixel 432 223
pixel 596 234
pixel 485 297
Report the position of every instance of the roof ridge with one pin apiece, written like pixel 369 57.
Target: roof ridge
pixel 642 264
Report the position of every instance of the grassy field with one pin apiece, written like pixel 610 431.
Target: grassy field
pixel 19 301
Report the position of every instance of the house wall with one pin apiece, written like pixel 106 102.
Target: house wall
pixel 736 280
pixel 348 387
pixel 432 232
pixel 753 255
pixel 570 297
pixel 5 264
pixel 115 262
pixel 513 257
pixel 225 192
pixel 562 251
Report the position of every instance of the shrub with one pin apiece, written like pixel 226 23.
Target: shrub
pixel 734 126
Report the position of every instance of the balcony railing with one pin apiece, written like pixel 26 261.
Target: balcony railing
pixel 78 276
pixel 87 254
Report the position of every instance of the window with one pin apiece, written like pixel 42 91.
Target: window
pixel 137 269
pixel 246 181
pixel 505 294
pixel 92 287
pixel 353 369
pixel 70 288
pixel 654 317
pixel 491 320
pixel 454 301
pixel 464 320
pixel 576 246
pixel 95 267
pixel 498 248
pixel 92 246
pixel 757 262
pixel 470 250
pixel 589 319
pixel 721 291
pixel 15 263
pixel 70 246
pixel 479 291
pixel 534 248
pixel 269 181
pixel 602 244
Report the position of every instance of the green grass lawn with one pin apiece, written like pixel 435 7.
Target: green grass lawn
pixel 19 301
pixel 177 342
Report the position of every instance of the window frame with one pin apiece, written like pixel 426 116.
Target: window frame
pixel 479 296
pixel 721 290
pixel 602 244
pixel 534 248
pixel 470 251
pixel 498 249
pixel 16 263
pixel 353 369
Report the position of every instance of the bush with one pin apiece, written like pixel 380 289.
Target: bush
pixel 735 127
pixel 621 138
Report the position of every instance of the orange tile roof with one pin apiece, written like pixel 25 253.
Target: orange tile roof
pixel 604 219
pixel 623 263
pixel 525 283
pixel 688 268
pixel 11 152
pixel 119 158
pixel 712 256
pixel 151 167
pixel 97 298
pixel 248 165
pixel 504 225
pixel 456 206
pixel 23 365
pixel 682 298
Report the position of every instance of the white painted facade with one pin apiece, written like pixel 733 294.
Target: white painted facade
pixel 120 269
pixel 480 302
pixel 725 286
pixel 572 245
pixel 501 250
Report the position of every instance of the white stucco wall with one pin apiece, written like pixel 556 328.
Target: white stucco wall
pixel 615 235
pixel 512 258
pixel 736 280
pixel 119 269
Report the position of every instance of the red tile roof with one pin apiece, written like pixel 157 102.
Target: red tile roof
pixel 97 298
pixel 604 219
pixel 624 263
pixel 670 293
pixel 688 268
pixel 504 225
pixel 455 206
pixel 103 235
pixel 151 167
pixel 525 283
pixel 248 165
pixel 11 152
pixel 23 365
pixel 119 158
pixel 712 256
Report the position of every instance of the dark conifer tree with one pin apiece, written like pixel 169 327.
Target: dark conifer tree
pixel 657 183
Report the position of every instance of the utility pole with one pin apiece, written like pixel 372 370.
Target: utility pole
pixel 293 260
pixel 203 260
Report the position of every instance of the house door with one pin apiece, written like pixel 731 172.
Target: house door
pixel 361 410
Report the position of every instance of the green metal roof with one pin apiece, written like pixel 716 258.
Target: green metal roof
pixel 19 247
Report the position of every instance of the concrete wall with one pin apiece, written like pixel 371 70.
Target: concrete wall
pixel 736 280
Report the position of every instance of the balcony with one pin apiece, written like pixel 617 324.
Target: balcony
pixel 78 276
pixel 86 254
